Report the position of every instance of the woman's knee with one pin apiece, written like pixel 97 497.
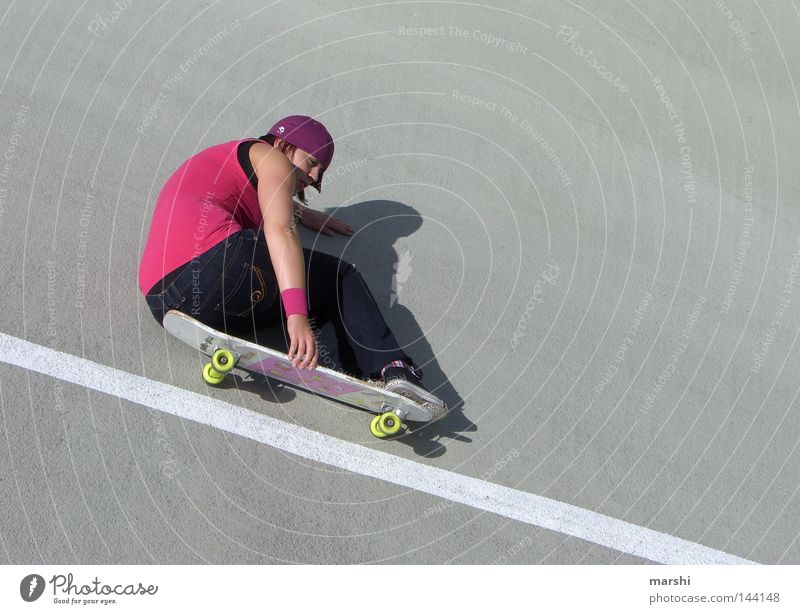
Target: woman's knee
pixel 328 266
pixel 348 268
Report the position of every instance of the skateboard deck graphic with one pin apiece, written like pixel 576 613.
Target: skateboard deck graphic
pixel 276 365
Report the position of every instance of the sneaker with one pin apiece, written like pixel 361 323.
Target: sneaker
pixel 403 379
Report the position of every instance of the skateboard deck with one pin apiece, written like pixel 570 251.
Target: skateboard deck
pixel 276 365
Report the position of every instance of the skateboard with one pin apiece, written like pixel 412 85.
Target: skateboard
pixel 228 352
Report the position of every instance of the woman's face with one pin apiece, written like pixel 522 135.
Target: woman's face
pixel 307 169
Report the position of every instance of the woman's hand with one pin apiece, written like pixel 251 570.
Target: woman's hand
pixel 302 346
pixel 316 220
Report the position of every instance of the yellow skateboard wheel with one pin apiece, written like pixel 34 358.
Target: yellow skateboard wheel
pixel 375 430
pixel 223 361
pixel 389 423
pixel 211 375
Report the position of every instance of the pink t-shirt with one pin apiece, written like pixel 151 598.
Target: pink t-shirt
pixel 207 199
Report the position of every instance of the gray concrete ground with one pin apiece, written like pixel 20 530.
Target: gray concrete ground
pixel 590 214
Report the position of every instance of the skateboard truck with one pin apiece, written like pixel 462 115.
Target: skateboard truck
pixel 223 361
pixel 389 422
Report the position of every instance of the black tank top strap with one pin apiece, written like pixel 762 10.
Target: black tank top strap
pixel 243 155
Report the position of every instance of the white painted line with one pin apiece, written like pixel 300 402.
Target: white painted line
pixel 480 494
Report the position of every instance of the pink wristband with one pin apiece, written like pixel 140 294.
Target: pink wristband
pixel 294 301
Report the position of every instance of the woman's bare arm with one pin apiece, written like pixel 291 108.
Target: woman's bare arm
pixel 276 187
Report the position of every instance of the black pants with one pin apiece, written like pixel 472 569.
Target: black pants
pixel 232 287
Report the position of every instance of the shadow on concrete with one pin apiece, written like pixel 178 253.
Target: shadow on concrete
pixel 269 390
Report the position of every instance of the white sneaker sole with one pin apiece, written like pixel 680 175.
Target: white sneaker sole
pixel 418 395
